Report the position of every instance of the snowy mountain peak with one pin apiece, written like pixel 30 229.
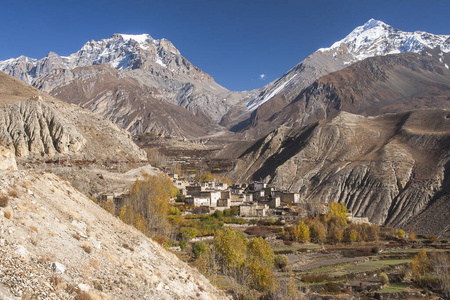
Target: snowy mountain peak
pixel 373 38
pixel 140 38
pixel 377 38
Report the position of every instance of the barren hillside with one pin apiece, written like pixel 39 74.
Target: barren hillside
pixel 389 168
pixel 56 243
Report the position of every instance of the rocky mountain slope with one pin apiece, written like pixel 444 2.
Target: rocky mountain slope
pixel 153 76
pixel 377 85
pixel 56 243
pixel 389 168
pixel 33 124
pixel 374 38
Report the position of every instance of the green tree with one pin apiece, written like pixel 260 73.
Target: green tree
pixel 200 248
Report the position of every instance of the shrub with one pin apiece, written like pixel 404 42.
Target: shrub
pixel 400 233
pixel 433 239
pixel 200 248
pixel 218 214
pixel 281 261
pixel 4 201
pixel 270 221
pixel 331 287
pixel 183 245
pixel 375 250
pixel 188 233
pixel 384 279
pixel 315 278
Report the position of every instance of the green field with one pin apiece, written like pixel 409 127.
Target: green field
pixel 394 288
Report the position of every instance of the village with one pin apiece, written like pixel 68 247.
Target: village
pixel 253 200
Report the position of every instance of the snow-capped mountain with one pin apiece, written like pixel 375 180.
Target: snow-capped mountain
pixel 120 51
pixel 120 76
pixel 374 38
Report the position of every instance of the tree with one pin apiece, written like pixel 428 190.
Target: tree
pixel 150 198
pixel 260 249
pixel 338 209
pixel 412 236
pixel 303 232
pixel 420 264
pixel 262 277
pixel 318 232
pixel 231 245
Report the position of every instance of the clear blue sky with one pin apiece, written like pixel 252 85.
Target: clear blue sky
pixel 235 41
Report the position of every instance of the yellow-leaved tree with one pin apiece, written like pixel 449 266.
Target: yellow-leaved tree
pixel 147 205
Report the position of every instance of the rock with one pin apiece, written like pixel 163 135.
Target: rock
pixel 7 160
pixel 58 268
pixel 23 252
pixel 84 287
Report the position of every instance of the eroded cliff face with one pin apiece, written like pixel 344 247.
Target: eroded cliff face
pixel 35 124
pixel 32 127
pixel 389 168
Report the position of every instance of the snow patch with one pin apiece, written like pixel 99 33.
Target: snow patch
pixel 254 104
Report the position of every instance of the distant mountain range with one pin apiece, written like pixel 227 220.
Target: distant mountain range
pixel 140 83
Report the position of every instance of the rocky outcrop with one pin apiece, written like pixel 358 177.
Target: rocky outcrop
pixel 33 127
pixel 388 168
pixel 7 160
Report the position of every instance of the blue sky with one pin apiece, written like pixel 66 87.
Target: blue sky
pixel 235 41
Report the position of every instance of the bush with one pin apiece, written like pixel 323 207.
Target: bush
pixel 331 287
pixel 315 278
pixel 375 250
pixel 384 279
pixel 281 261
pixel 183 245
pixel 400 233
pixel 200 248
